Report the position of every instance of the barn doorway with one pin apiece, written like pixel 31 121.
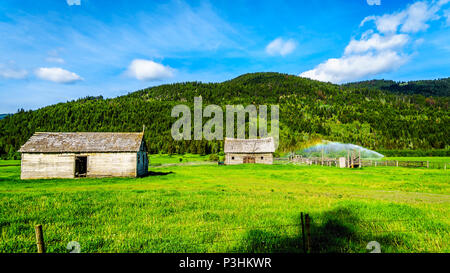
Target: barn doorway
pixel 249 159
pixel 80 166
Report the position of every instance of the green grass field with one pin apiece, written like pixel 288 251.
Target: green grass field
pixel 245 208
pixel 162 159
pixel 9 162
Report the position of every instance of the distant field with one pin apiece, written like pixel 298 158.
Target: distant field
pixel 9 162
pixel 246 208
pixel 160 159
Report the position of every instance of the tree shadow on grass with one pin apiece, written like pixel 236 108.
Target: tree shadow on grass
pixel 150 173
pixel 341 231
pixel 335 231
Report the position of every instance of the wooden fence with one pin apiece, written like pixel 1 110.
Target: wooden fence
pixel 334 162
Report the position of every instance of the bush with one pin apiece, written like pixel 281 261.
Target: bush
pixel 213 157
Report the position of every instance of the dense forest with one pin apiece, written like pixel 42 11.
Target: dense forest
pixel 309 110
pixel 436 88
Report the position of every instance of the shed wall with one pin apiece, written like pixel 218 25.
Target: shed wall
pixel 111 164
pixel 41 166
pixel 36 166
pixel 265 158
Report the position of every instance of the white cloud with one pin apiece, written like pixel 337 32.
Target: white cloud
pixel 419 41
pixel 353 67
pixel 55 60
pixel 381 52
pixel 374 2
pixel 73 2
pixel 280 47
pixel 146 70
pixel 411 20
pixel 376 42
pixel 12 72
pixel 389 22
pixel 419 14
pixel 447 15
pixel 58 75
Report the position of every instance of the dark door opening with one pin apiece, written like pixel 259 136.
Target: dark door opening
pixel 80 166
pixel 249 159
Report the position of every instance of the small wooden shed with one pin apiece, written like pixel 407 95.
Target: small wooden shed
pixel 241 151
pixel 71 155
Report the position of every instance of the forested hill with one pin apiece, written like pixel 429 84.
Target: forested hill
pixel 2 116
pixel 309 110
pixel 436 88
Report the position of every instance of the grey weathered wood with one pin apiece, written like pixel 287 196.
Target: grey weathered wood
pixel 359 158
pixel 39 239
pixel 238 158
pixel 43 166
pixel 122 158
pixel 254 150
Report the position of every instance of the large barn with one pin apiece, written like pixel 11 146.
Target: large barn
pixel 240 151
pixel 71 155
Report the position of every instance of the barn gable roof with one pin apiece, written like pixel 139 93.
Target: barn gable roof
pixel 82 142
pixel 262 145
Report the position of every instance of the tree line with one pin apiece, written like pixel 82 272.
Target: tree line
pixel 309 110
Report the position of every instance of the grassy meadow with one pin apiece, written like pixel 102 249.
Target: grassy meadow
pixel 244 208
pixel 165 159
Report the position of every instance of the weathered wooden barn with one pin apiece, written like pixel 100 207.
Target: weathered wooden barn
pixel 240 151
pixel 71 155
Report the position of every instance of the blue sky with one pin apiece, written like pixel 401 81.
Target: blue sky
pixel 58 50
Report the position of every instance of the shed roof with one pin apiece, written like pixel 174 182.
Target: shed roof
pixel 82 142
pixel 262 145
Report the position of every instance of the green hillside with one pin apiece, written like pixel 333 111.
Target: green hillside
pixel 435 88
pixel 309 110
pixel 2 116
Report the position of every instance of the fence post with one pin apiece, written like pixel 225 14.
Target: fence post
pixel 303 233
pixel 39 239
pixel 428 164
pixel 359 158
pixel 396 163
pixel 308 232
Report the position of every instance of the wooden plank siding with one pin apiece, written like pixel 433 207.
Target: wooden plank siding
pixel 111 164
pixel 84 154
pixel 44 166
pixel 238 158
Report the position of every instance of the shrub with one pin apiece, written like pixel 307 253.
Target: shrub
pixel 213 157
